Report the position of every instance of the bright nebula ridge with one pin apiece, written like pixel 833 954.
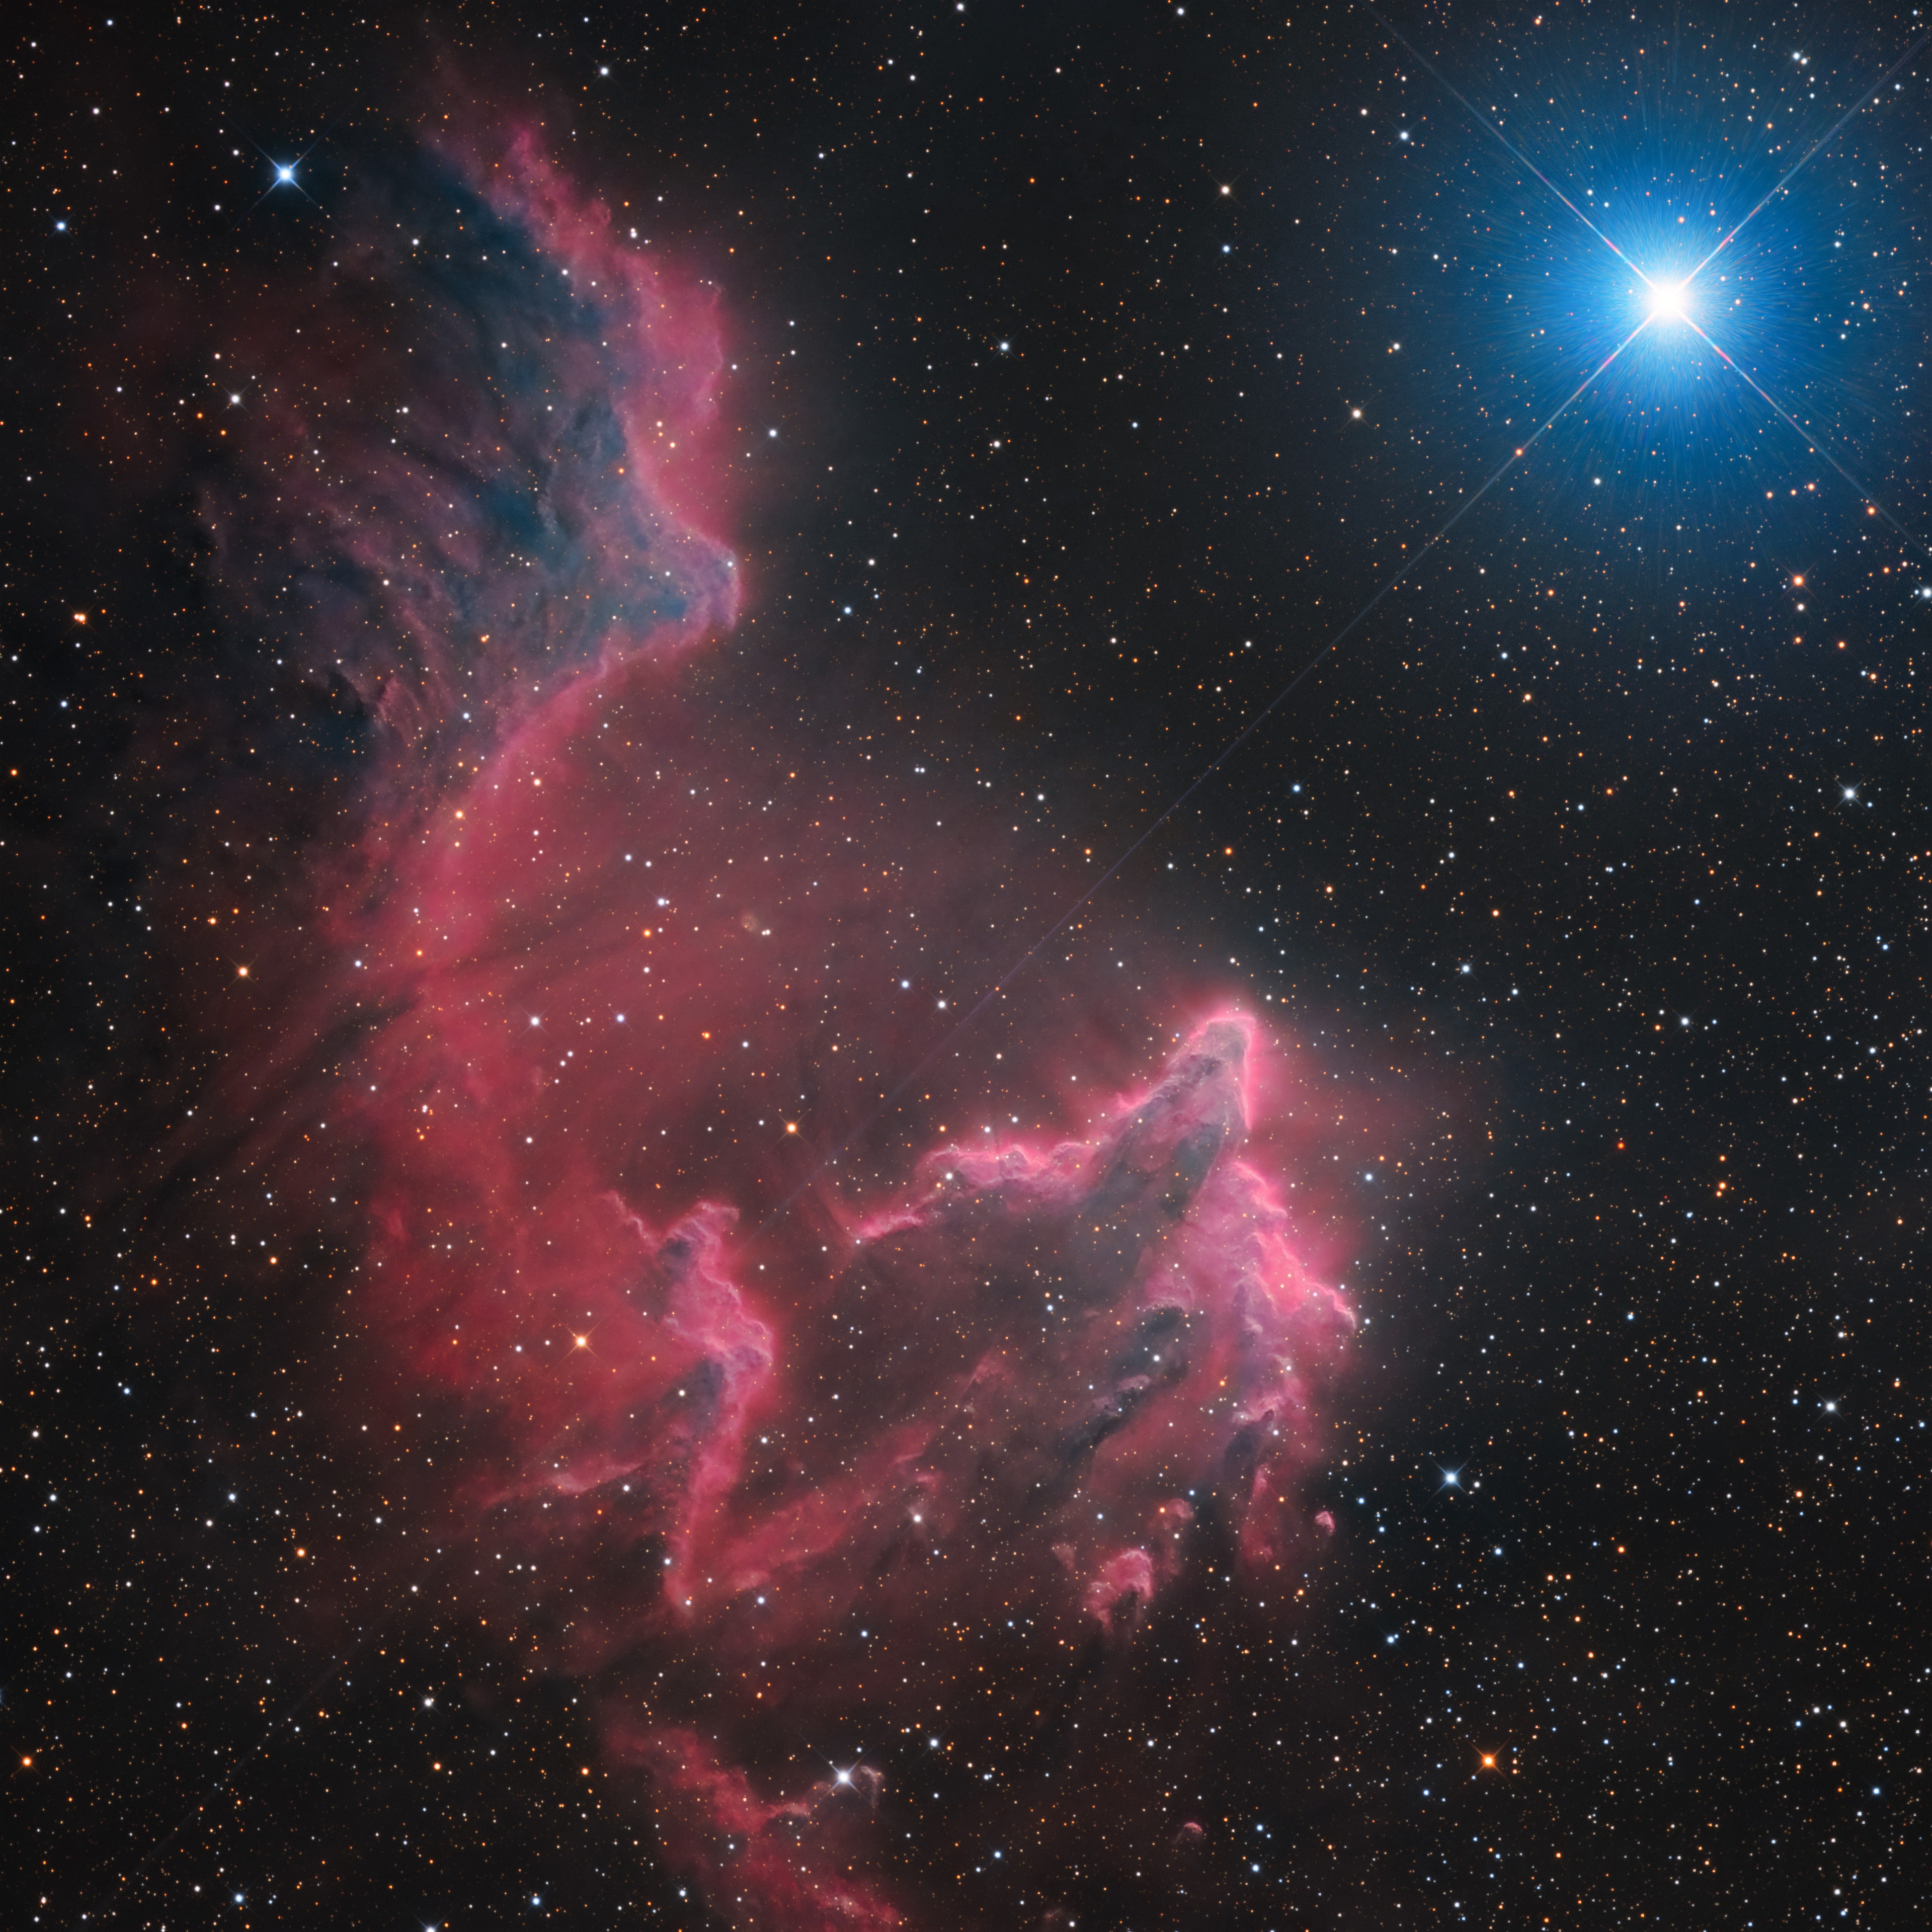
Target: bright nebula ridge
pixel 867 1516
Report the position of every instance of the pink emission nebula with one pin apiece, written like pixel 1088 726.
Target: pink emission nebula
pixel 859 1520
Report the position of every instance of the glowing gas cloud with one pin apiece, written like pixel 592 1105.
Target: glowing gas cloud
pixel 859 1521
pixel 783 1527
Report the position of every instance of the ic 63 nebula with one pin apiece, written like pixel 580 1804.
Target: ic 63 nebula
pixel 874 1511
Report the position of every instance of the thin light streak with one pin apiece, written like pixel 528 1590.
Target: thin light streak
pixel 999 986
pixel 1812 440
pixel 1495 127
pixel 1811 154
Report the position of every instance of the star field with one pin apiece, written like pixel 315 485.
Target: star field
pixel 693 1242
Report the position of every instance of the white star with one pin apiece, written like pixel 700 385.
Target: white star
pixel 1668 301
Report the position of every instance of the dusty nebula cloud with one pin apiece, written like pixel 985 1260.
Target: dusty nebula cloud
pixel 479 469
pixel 876 1506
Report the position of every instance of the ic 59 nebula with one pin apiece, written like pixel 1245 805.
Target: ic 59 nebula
pixel 872 1494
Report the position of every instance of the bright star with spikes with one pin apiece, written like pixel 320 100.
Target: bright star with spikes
pixel 285 174
pixel 1668 311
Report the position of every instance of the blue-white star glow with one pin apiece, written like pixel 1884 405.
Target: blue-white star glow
pixel 1663 280
pixel 1668 301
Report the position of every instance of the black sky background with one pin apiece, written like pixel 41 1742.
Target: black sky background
pixel 1068 482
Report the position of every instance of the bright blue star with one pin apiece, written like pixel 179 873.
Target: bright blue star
pixel 1663 279
pixel 285 174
